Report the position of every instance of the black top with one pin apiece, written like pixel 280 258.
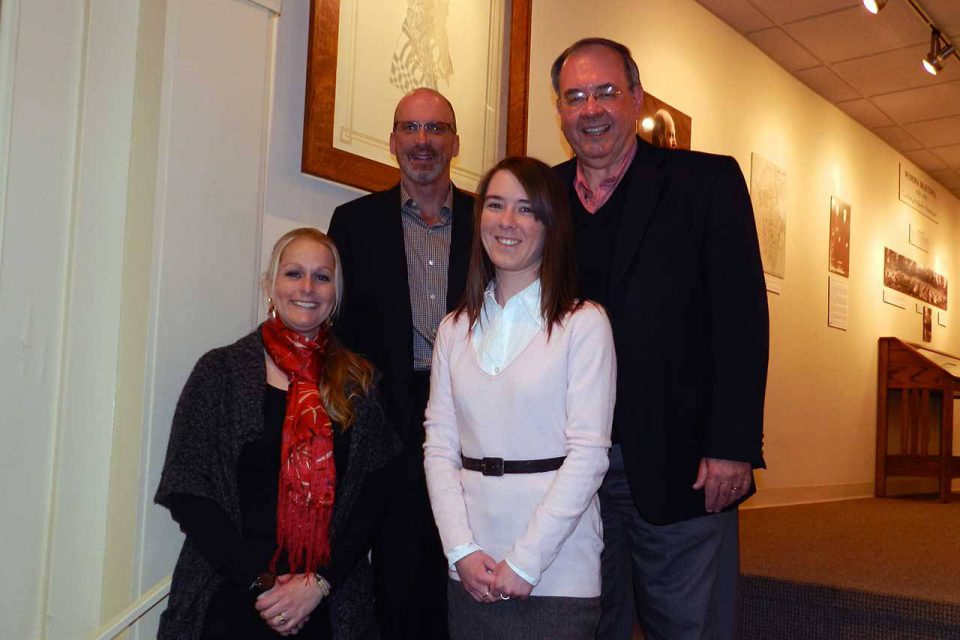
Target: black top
pixel 595 234
pixel 239 556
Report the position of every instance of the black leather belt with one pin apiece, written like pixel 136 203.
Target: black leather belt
pixel 499 466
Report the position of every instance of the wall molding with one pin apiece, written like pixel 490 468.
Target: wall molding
pixel 788 496
pixel 9 31
pixel 129 616
pixel 269 5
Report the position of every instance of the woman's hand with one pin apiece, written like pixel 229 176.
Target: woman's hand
pixel 288 605
pixel 476 575
pixel 507 584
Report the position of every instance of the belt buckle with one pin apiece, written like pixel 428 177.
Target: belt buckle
pixel 491 466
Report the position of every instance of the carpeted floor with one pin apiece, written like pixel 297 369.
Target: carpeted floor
pixel 908 547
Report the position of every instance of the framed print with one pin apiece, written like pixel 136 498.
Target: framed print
pixel 364 55
pixel 906 276
pixel 663 125
pixel 839 258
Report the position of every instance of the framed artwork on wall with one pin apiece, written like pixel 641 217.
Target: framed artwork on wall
pixel 663 125
pixel 364 55
pixel 906 276
pixel 839 260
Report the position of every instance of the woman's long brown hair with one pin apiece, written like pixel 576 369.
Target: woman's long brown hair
pixel 558 270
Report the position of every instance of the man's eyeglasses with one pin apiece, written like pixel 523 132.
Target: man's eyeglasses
pixel 576 98
pixel 412 127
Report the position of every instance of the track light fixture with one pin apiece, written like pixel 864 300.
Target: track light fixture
pixel 874 6
pixel 933 61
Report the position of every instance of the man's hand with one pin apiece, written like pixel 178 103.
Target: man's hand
pixel 507 584
pixel 476 574
pixel 288 605
pixel 723 482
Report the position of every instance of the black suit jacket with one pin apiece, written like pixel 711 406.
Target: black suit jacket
pixel 688 306
pixel 375 317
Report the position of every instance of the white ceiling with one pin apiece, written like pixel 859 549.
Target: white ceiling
pixel 869 66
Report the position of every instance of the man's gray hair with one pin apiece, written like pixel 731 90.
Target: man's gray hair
pixel 633 73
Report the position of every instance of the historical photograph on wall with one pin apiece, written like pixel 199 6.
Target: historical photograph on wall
pixel 906 276
pixel 839 237
pixel 927 324
pixel 768 191
pixel 663 125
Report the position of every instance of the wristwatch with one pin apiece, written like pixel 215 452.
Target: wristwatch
pixel 263 582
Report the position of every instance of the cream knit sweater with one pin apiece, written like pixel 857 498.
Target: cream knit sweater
pixel 556 398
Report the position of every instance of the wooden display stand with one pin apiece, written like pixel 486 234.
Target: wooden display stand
pixel 915 397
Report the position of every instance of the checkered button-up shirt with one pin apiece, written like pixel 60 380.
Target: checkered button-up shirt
pixel 427 248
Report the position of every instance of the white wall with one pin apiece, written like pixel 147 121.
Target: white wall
pixel 821 397
pixel 42 49
pixel 213 138
pixel 108 121
pixel 294 198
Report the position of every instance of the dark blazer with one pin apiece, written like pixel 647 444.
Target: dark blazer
pixel 375 317
pixel 688 307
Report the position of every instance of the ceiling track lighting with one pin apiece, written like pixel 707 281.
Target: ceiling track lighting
pixel 940 47
pixel 933 61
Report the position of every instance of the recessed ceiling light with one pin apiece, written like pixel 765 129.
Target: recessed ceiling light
pixel 874 6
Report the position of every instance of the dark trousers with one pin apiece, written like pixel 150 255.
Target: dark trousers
pixel 684 575
pixel 408 560
pixel 533 618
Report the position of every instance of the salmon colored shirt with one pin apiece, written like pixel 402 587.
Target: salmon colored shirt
pixel 591 200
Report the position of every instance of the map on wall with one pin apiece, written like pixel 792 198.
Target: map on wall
pixel 768 191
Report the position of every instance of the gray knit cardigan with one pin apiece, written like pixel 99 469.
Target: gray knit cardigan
pixel 220 410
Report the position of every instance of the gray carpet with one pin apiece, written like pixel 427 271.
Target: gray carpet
pixel 868 568
pixel 774 609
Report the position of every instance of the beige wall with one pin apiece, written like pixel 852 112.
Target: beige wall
pixel 821 396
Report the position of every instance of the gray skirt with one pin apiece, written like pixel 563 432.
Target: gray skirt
pixel 536 618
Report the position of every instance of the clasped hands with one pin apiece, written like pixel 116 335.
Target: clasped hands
pixel 287 606
pixel 487 580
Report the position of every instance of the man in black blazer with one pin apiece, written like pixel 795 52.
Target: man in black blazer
pixel 404 254
pixel 667 242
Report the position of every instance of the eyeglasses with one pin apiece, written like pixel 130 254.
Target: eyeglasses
pixel 576 98
pixel 412 127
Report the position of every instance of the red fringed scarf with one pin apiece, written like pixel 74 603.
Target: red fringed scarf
pixel 307 471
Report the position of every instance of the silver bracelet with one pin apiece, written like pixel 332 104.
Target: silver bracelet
pixel 322 585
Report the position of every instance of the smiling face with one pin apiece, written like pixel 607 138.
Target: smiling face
pixel 304 290
pixel 424 158
pixel 510 233
pixel 600 134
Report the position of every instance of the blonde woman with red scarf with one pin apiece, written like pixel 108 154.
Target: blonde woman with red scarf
pixel 278 466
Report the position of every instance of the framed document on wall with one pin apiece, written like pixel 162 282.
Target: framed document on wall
pixel 364 55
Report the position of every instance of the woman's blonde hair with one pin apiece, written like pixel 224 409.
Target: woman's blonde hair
pixel 344 372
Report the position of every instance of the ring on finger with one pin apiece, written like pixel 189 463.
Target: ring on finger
pixel 503 597
pixel 283 618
